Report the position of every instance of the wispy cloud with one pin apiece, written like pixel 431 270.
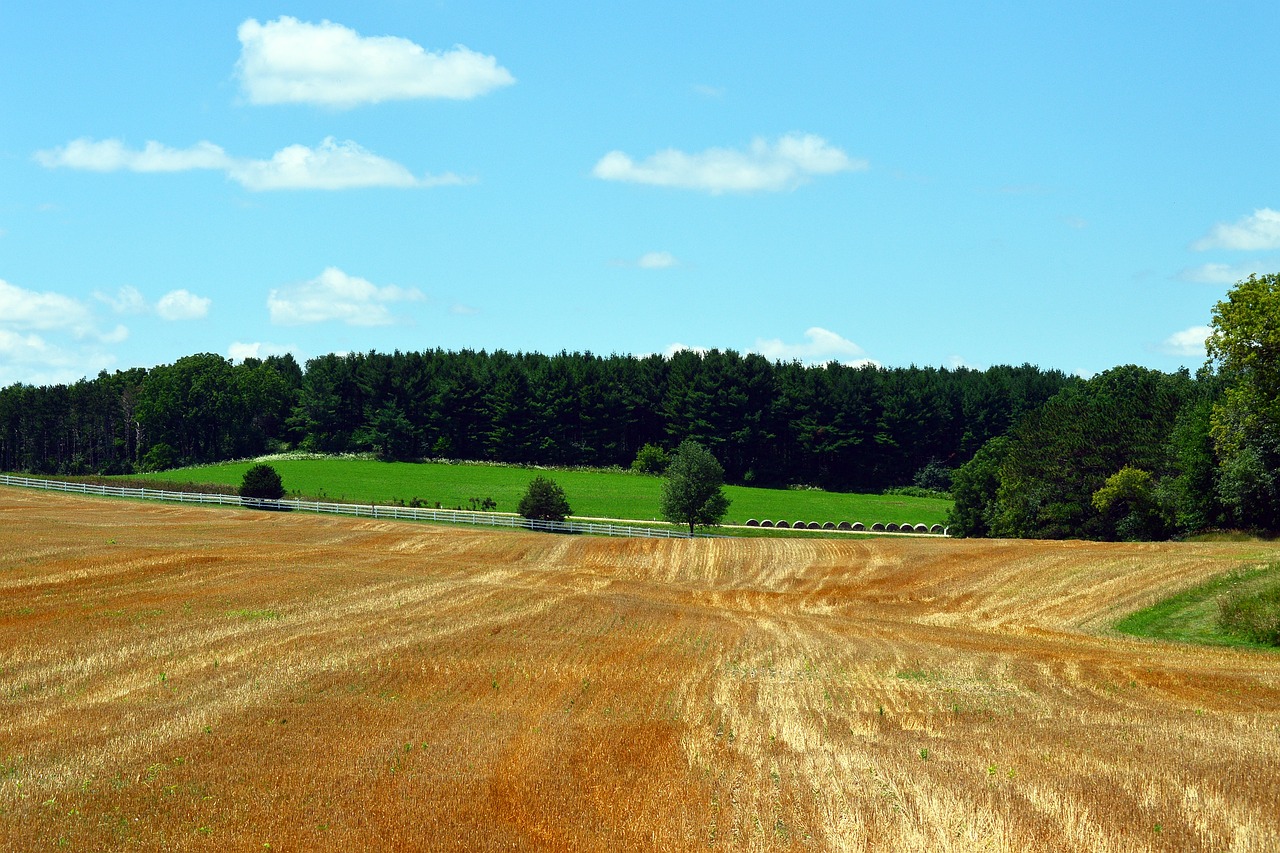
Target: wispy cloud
pixel 111 155
pixel 331 165
pixel 764 166
pixel 1257 232
pixel 336 296
pixel 175 305
pixel 657 261
pixel 820 347
pixel 290 61
pixel 1220 273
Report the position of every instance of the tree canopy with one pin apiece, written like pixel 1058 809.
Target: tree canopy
pixel 692 493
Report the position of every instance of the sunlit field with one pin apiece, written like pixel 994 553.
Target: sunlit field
pixel 220 679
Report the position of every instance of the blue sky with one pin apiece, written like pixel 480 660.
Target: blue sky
pixel 1072 185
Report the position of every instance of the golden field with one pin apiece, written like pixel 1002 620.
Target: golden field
pixel 190 678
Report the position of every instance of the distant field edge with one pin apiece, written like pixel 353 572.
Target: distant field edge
pixel 1190 616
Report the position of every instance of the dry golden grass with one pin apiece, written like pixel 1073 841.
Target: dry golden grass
pixel 185 678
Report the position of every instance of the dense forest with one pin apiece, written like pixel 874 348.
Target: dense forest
pixel 1131 453
pixel 769 423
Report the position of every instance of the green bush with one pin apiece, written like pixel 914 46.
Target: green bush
pixel 544 501
pixel 262 481
pixel 1255 615
pixel 651 460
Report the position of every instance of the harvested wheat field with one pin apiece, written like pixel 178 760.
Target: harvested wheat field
pixel 186 678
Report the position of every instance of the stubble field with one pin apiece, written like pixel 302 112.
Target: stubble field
pixel 188 678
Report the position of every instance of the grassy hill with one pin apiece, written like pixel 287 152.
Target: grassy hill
pixel 603 494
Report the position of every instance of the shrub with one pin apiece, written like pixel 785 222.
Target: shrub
pixel 262 481
pixel 651 460
pixel 544 501
pixel 1255 615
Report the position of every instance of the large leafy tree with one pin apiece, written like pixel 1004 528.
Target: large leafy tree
pixel 693 492
pixel 1245 422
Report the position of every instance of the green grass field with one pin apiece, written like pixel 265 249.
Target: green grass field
pixel 604 494
pixel 1191 615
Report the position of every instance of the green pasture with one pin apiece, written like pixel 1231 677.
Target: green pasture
pixel 602 494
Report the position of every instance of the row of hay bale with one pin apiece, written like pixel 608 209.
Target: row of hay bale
pixel 936 529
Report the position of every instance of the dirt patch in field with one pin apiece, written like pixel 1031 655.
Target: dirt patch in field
pixel 221 679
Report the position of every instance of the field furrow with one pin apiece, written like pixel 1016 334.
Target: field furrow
pixel 198 678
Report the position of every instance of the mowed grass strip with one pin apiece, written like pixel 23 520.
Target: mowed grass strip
pixel 1191 616
pixel 599 494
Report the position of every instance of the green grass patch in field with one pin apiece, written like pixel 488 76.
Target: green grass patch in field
pixel 1191 616
pixel 591 493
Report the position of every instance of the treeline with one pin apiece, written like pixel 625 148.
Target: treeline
pixel 1139 454
pixel 769 423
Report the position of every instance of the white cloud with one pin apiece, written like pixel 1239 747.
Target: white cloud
pixel 1258 232
pixel 1187 342
pixel 708 91
pixel 183 305
pixel 657 261
pixel 332 165
pixel 239 351
pixel 29 310
pixel 334 295
pixel 48 338
pixel 31 359
pixel 128 300
pixel 462 310
pixel 821 346
pixel 1220 273
pixel 764 166
pixel 111 155
pixel 290 61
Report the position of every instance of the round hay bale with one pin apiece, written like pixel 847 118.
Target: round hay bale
pixel 858 525
pixel 828 525
pixel 878 527
pixel 892 527
pixel 766 523
pixel 751 522
pixel 937 528
pixel 782 524
pixel 844 525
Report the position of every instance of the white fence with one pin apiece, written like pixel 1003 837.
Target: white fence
pixel 395 513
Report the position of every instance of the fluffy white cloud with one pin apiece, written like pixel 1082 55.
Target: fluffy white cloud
pixel 1187 342
pixel 111 155
pixel 764 166
pixel 821 346
pixel 291 61
pixel 334 295
pixel 183 305
pixel 239 351
pixel 1220 273
pixel 50 338
pixel 332 165
pixel 1258 232
pixel 28 310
